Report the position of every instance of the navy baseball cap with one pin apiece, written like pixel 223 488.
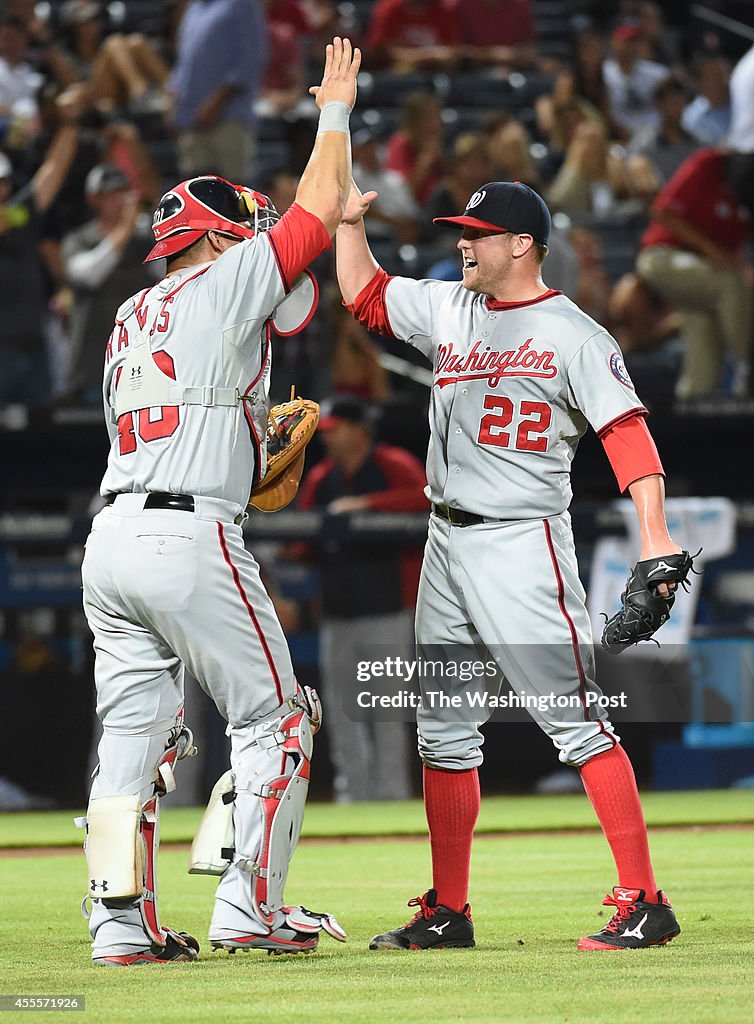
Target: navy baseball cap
pixel 505 206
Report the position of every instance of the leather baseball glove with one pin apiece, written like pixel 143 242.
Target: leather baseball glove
pixel 643 609
pixel 290 427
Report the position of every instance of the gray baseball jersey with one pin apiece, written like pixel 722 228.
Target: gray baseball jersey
pixel 515 386
pixel 168 587
pixel 206 327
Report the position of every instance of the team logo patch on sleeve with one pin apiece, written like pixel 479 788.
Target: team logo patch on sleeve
pixel 619 370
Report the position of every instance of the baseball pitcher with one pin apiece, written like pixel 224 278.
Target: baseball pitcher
pixel 519 373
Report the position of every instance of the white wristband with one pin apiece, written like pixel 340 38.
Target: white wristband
pixel 333 117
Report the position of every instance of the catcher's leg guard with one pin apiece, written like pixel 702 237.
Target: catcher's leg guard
pixel 271 764
pixel 123 838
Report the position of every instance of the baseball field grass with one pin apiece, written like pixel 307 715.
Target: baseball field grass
pixel 533 896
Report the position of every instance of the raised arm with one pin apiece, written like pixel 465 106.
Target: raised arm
pixel 355 264
pixel 324 185
pixel 52 172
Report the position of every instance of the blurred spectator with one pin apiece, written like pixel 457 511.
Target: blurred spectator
pixel 121 72
pixel 103 262
pixel 394 214
pixel 509 145
pixel 559 113
pixel 368 595
pixel 24 368
pixel 631 81
pixel 408 35
pixel 470 167
pixel 741 135
pixel 593 284
pixel 667 144
pixel 591 177
pixel 354 363
pixel 640 319
pixel 222 54
pixel 692 256
pixel 658 41
pixel 19 84
pixel 415 151
pixel 587 77
pixel 707 116
pixel 311 20
pixel 497 32
pixel 280 185
pixel 285 72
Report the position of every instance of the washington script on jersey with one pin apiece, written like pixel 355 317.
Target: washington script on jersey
pixel 491 364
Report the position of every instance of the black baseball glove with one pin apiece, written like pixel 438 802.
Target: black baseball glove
pixel 643 609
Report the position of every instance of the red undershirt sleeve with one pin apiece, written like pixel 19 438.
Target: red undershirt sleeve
pixel 631 450
pixel 297 239
pixel 369 306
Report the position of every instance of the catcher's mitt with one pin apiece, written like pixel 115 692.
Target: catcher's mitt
pixel 290 427
pixel 643 609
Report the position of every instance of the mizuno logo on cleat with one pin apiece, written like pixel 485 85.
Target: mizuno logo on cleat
pixel 439 928
pixel 636 933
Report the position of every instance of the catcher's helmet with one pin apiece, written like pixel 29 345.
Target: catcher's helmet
pixel 208 203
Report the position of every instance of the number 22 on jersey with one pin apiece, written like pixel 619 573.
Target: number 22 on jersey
pixel 147 427
pixel 532 421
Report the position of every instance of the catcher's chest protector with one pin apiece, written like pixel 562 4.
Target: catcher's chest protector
pixel 141 383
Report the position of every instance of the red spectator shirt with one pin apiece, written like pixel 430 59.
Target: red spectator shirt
pixel 406 23
pixel 494 22
pixel 286 59
pixel 699 193
pixel 401 156
pixel 392 480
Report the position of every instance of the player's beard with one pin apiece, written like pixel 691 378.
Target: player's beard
pixel 492 271
pixel 486 279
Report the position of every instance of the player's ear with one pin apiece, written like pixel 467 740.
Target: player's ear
pixel 521 245
pixel 215 241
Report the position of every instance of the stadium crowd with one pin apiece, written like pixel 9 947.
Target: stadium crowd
pixel 622 120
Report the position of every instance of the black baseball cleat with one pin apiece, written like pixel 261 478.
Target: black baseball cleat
pixel 636 924
pixel 180 947
pixel 433 926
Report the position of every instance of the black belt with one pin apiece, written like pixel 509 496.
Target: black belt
pixel 456 516
pixel 161 499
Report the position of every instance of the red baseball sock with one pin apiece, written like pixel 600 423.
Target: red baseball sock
pixel 451 800
pixel 610 784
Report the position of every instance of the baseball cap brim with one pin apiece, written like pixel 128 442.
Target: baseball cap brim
pixel 174 243
pixel 471 222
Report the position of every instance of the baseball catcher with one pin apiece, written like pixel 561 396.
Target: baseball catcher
pixel 644 607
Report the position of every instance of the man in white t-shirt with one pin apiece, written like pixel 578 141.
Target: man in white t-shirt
pixel 631 82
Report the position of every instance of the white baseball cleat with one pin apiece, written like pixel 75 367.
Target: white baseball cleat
pixel 298 933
